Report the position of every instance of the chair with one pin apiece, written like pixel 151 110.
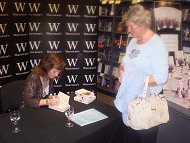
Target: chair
pixel 10 94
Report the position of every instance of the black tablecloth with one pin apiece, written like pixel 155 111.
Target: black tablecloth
pixel 45 125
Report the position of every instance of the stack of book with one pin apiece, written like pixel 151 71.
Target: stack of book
pixel 84 96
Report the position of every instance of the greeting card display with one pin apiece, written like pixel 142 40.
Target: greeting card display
pixel 182 88
pixel 171 66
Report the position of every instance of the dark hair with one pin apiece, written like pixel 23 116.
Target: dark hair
pixel 49 61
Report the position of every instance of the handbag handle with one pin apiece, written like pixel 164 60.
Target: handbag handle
pixel 145 86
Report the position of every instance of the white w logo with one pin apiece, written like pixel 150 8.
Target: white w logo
pixel 89 61
pixel 90 44
pixel 56 80
pixel 34 62
pixel 21 47
pixel 72 62
pixel 54 44
pixel 20 27
pixel 72 26
pixel 34 7
pixel 2 6
pixel 4 69
pixel 73 8
pixel 89 78
pixel 34 26
pixel 2 28
pixel 19 6
pixel 72 44
pixel 90 27
pixel 54 7
pixel 72 78
pixel 53 26
pixel 34 45
pixel 22 65
pixel 91 9
pixel 3 49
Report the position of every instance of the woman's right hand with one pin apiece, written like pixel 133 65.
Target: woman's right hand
pixel 53 101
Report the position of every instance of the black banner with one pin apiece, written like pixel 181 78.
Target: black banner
pixel 31 28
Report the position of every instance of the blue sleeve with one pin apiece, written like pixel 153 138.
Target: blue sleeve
pixel 159 61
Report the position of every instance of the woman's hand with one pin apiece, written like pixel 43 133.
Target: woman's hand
pixel 121 70
pixel 120 76
pixel 53 100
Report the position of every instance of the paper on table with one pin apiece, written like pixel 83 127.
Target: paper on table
pixel 88 116
pixel 63 104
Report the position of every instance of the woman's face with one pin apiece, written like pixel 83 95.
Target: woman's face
pixel 135 30
pixel 53 73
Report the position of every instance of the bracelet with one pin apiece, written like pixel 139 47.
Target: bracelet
pixel 46 101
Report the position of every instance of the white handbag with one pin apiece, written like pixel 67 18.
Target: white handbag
pixel 147 112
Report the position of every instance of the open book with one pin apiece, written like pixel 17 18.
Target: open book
pixel 63 105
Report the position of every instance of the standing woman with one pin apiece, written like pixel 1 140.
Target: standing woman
pixel 39 83
pixel 146 54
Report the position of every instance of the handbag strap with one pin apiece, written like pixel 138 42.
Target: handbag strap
pixel 145 86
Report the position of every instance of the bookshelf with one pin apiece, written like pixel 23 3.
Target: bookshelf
pixel 186 25
pixel 113 39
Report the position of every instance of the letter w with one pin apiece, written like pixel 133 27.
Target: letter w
pixel 73 8
pixel 19 6
pixel 3 49
pixel 34 26
pixel 72 62
pixel 4 69
pixel 34 44
pixel 91 9
pixel 2 6
pixel 34 7
pixel 90 27
pixel 21 46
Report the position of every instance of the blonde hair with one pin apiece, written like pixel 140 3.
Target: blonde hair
pixel 138 15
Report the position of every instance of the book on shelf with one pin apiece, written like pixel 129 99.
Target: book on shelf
pixel 105 82
pixel 103 68
pixel 104 54
pixel 107 69
pixel 105 25
pixel 116 84
pixel 99 67
pixel 103 40
pixel 186 33
pixel 121 56
pixel 115 72
pixel 112 10
pixel 120 41
pixel 103 11
pixel 99 80
pixel 186 14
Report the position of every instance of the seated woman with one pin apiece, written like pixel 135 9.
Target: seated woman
pixel 39 83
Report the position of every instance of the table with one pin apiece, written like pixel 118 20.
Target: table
pixel 45 125
pixel 178 127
